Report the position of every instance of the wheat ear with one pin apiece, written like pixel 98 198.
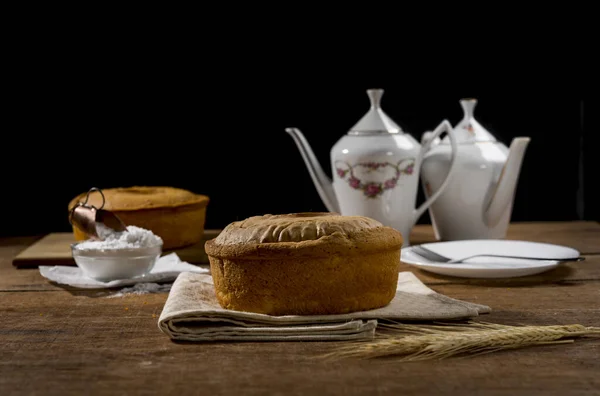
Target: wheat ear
pixel 409 342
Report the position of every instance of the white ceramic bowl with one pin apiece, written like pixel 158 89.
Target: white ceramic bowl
pixel 107 265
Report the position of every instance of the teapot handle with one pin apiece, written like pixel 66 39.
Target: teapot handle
pixel 428 141
pixel 444 126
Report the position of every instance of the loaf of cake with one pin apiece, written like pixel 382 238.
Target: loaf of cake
pixel 176 215
pixel 305 264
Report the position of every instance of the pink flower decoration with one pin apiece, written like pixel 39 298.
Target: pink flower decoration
pixel 390 183
pixel 354 182
pixel 373 190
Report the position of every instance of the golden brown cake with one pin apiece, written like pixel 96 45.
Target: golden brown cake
pixel 176 215
pixel 305 264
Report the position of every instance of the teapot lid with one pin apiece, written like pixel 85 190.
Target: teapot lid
pixel 375 121
pixel 469 130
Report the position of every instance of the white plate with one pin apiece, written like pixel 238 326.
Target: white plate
pixel 490 267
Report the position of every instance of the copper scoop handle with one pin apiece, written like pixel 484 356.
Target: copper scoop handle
pixel 94 222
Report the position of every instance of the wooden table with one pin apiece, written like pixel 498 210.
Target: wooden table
pixel 56 340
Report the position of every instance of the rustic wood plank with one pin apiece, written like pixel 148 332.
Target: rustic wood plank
pixel 73 341
pixel 12 246
pixel 57 341
pixel 51 249
pixel 581 235
pixel 537 304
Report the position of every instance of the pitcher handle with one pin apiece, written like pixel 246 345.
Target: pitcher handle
pixel 444 126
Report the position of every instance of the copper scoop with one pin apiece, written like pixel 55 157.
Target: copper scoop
pixel 96 223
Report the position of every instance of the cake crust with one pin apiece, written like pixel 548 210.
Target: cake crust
pixel 142 197
pixel 305 264
pixel 302 234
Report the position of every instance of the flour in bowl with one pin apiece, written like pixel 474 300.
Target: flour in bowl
pixel 134 237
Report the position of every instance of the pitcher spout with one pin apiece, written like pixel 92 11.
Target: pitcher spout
pixel 506 186
pixel 322 182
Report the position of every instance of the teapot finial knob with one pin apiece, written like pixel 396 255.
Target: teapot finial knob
pixel 468 105
pixel 375 97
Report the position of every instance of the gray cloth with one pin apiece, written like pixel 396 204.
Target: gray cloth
pixel 192 313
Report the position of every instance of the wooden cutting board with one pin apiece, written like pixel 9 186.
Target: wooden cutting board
pixel 55 249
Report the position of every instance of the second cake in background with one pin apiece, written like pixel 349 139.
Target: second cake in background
pixel 174 214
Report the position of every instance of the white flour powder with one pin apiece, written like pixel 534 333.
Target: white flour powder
pixel 134 237
pixel 142 288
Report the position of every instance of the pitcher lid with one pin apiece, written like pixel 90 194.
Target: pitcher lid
pixel 375 121
pixel 469 130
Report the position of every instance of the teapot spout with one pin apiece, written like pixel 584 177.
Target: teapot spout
pixel 322 182
pixel 506 186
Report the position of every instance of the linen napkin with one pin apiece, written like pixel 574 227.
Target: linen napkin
pixel 192 313
pixel 166 269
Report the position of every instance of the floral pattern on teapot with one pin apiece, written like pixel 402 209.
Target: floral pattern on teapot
pixel 373 189
pixel 469 128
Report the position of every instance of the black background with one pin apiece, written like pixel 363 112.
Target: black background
pixel 209 115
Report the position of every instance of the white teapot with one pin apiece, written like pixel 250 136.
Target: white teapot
pixel 477 203
pixel 375 169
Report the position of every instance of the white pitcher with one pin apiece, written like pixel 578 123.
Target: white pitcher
pixel 376 167
pixel 477 203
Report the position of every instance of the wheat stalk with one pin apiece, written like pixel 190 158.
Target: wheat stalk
pixel 409 342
